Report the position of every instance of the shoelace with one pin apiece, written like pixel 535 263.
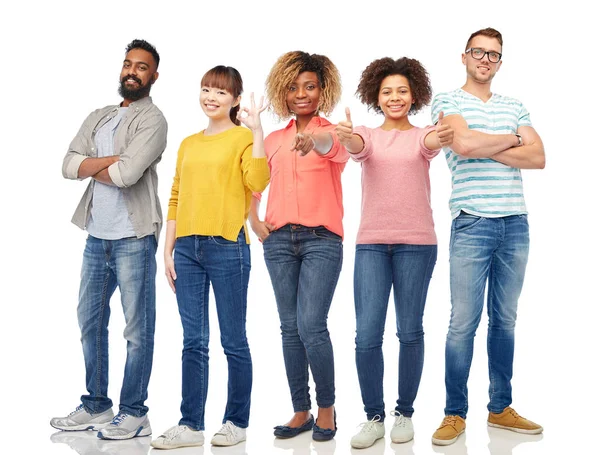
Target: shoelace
pixel 400 419
pixel 449 420
pixel 175 431
pixel 369 425
pixel 77 409
pixel 118 419
pixel 228 430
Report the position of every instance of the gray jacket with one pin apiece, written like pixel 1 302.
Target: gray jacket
pixel 140 140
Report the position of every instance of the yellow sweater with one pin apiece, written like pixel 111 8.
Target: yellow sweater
pixel 214 181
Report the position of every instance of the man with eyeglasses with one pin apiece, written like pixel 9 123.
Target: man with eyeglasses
pixel 489 243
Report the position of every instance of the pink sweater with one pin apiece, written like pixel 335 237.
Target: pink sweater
pixel 396 194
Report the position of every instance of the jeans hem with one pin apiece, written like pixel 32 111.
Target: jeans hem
pixel 191 425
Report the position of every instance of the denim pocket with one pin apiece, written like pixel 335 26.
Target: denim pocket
pixel 323 233
pixel 465 221
pixel 222 241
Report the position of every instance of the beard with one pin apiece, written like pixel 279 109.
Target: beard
pixel 134 94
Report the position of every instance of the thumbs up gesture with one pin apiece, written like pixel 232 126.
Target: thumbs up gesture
pixel 444 132
pixel 344 130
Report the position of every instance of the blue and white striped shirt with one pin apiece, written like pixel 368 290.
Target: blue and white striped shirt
pixel 482 186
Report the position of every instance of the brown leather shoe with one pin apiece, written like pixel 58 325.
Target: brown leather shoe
pixel 510 420
pixel 449 431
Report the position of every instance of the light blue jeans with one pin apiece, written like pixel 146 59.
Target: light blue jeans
pixel 492 251
pixel 129 264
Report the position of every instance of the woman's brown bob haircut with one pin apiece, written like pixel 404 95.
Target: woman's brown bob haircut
pixel 226 78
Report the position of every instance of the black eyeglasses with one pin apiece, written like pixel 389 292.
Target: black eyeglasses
pixel 477 53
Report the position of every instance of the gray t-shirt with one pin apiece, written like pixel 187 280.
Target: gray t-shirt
pixel 109 219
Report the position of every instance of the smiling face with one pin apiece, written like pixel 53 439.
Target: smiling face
pixel 395 98
pixel 217 102
pixel 304 94
pixel 482 71
pixel 137 75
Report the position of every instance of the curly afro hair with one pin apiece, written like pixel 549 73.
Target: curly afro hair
pixel 285 71
pixel 378 70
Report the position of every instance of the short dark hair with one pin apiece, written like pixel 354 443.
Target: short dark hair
pixel 378 70
pixel 145 45
pixel 489 32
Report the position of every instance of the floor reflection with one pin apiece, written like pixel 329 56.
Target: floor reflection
pixel 502 442
pixel 88 443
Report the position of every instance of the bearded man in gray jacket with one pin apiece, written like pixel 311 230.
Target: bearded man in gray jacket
pixel 118 148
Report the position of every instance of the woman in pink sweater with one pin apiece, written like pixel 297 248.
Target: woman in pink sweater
pixel 396 243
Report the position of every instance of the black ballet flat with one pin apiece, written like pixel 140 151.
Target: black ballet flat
pixel 285 432
pixel 322 434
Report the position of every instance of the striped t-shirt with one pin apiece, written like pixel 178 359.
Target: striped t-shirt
pixel 482 186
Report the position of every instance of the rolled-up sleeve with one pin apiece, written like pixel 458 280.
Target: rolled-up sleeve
pixel 147 145
pixel 78 150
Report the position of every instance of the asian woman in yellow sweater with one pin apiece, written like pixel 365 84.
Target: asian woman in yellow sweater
pixel 217 171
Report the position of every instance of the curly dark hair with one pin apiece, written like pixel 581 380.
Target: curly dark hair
pixel 378 70
pixel 146 46
pixel 285 71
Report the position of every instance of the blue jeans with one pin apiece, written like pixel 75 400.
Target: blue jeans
pixel 376 268
pixel 199 261
pixel 304 264
pixel 129 264
pixel 492 250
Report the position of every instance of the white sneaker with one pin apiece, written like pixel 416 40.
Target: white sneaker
pixel 228 435
pixel 179 436
pixel 80 419
pixel 125 426
pixel 403 430
pixel 370 432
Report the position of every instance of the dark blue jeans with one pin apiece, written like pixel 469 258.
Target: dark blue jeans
pixel 129 264
pixel 376 268
pixel 492 251
pixel 304 264
pixel 199 261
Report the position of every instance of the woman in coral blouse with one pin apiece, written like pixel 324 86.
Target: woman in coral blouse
pixel 302 231
pixel 396 243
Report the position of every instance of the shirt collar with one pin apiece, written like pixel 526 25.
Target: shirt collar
pixel 140 103
pixel 315 122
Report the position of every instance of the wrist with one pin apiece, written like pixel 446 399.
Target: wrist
pixel 257 130
pixel 519 139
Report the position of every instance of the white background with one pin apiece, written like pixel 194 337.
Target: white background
pixel 61 60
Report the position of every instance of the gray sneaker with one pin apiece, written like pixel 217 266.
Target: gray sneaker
pixel 125 426
pixel 80 419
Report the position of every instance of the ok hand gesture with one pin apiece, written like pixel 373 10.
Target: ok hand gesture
pixel 252 117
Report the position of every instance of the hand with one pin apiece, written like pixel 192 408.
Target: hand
pixel 444 132
pixel 344 130
pixel 303 143
pixel 262 229
pixel 252 118
pixel 170 271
